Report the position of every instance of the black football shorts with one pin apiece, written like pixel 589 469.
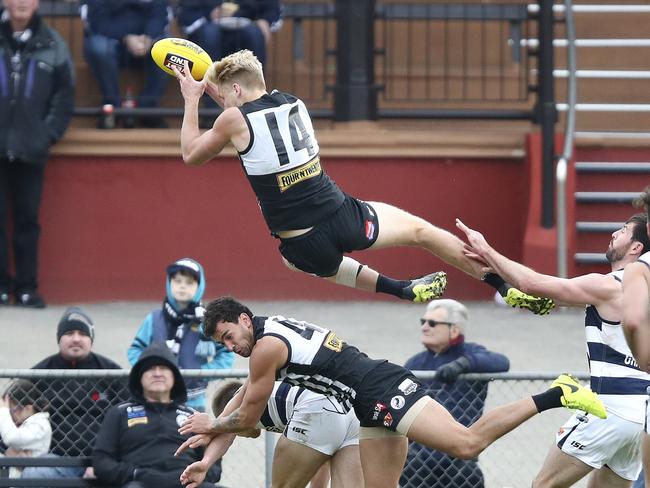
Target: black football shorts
pixel 353 227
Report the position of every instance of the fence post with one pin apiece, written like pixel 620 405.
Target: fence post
pixel 355 96
pixel 546 113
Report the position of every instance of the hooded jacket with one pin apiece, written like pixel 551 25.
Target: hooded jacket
pixel 137 440
pixel 196 351
pixel 36 91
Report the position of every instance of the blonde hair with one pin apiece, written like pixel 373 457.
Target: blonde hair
pixel 242 67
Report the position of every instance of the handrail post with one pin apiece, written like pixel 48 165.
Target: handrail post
pixel 545 110
pixel 355 96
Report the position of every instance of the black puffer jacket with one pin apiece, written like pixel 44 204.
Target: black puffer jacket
pixel 36 91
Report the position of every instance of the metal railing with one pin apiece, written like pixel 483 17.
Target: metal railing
pixel 435 60
pixel 511 461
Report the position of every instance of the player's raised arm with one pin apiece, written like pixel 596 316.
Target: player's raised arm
pixel 588 289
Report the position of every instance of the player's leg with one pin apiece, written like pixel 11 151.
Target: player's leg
pixel 400 228
pixel 606 478
pixel 383 454
pixel 427 422
pixel 294 464
pixel 346 468
pixel 560 470
pixel 322 477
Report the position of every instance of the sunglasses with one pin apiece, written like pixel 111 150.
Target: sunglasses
pixel 433 323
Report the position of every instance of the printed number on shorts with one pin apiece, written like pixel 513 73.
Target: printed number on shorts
pixel 300 138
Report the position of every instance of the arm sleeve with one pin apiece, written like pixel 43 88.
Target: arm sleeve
pixel 142 340
pixel 62 99
pixel 158 19
pixel 109 469
pixel 483 361
pixel 20 437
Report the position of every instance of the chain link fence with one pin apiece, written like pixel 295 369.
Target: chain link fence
pixel 78 400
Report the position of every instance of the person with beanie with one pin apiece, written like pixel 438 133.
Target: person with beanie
pixel 443 328
pixel 77 404
pixel 176 325
pixel 137 440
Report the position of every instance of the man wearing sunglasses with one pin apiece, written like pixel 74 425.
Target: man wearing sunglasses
pixel 446 352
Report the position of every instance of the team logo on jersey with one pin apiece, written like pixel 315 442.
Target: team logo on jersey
pixel 407 386
pixel 388 420
pixel 370 230
pixel 397 402
pixel 136 415
pixel 379 407
pixel 292 177
pixel 333 342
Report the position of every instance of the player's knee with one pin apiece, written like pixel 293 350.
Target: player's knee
pixel 469 447
pixel 348 271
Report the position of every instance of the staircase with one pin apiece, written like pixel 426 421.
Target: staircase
pixel 606 185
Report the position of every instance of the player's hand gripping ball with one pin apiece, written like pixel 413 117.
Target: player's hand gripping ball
pixel 173 51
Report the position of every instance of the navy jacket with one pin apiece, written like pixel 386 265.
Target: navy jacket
pixel 117 18
pixel 465 401
pixel 189 11
pixel 36 92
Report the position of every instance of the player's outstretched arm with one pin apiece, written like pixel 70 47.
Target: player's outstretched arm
pixel 193 475
pixel 636 312
pixel 588 289
pixel 200 148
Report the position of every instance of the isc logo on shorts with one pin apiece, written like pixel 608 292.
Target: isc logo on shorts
pixel 176 60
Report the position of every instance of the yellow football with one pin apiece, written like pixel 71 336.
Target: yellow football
pixel 173 51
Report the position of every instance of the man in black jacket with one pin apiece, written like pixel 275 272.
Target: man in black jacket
pixel 36 103
pixel 137 441
pixel 77 404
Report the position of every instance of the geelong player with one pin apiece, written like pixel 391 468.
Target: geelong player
pixel 611 446
pixel 315 429
pixel 636 319
pixel 314 220
pixel 388 400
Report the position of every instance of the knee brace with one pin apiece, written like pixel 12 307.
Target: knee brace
pixel 348 271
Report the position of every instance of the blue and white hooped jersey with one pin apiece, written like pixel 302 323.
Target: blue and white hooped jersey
pixel 281 405
pixel 615 374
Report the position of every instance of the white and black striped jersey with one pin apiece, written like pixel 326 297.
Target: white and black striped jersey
pixel 318 359
pixel 615 374
pixel 283 165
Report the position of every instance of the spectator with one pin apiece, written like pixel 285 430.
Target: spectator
pixel 176 325
pixel 36 103
pixel 77 404
pixel 24 424
pixel 443 327
pixel 222 28
pixel 120 33
pixel 137 441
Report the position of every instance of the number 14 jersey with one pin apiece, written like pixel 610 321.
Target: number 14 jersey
pixel 283 165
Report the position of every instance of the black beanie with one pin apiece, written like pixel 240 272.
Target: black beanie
pixel 75 319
